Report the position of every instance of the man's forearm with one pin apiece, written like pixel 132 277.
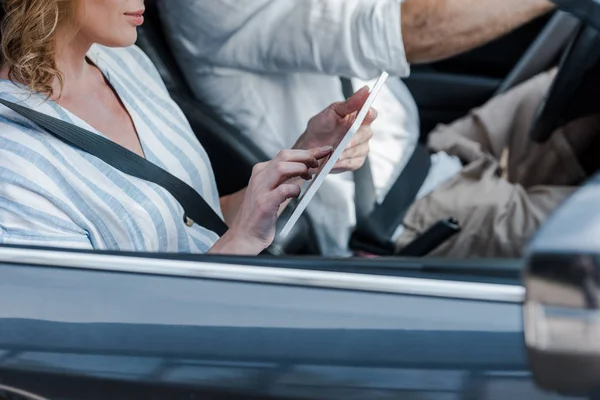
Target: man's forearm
pixel 436 29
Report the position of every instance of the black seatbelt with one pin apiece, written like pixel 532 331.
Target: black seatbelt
pixel 195 207
pixel 388 215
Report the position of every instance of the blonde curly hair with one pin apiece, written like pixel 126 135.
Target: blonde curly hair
pixel 28 32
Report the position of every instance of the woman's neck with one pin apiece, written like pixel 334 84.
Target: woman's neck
pixel 71 62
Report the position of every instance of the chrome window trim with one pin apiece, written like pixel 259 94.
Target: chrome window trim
pixel 269 275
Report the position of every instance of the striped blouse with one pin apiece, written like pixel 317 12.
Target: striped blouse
pixel 52 194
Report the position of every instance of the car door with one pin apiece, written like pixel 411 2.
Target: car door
pixel 448 89
pixel 78 325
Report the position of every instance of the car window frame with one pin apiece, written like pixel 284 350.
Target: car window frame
pixel 287 271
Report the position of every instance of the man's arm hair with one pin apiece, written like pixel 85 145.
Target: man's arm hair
pixel 437 29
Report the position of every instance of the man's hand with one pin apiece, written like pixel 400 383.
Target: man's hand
pixel 329 127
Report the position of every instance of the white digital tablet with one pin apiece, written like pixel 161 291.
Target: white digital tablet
pixel 319 178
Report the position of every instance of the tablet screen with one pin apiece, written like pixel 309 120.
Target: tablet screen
pixel 326 167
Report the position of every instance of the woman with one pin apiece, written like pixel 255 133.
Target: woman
pixel 75 60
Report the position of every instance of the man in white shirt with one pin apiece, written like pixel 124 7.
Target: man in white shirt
pixel 266 66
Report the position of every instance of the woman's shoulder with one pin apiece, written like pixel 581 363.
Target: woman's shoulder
pixel 130 61
pixel 27 151
pixel 19 135
pixel 10 121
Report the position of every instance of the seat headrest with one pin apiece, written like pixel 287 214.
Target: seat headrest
pixel 152 40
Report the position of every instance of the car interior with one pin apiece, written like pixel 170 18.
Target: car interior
pixel 230 148
pixel 444 91
pixel 478 358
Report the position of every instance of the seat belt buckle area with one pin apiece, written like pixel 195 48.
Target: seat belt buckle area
pixel 370 243
pixel 365 245
pixel 431 239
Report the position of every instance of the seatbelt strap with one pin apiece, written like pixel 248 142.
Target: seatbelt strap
pixel 378 222
pixel 195 207
pixel 364 188
pixel 390 213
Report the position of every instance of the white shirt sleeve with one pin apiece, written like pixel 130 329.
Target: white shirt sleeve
pixel 354 38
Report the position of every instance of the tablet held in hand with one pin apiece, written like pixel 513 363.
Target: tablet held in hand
pixel 326 168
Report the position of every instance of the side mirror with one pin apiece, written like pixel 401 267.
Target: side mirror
pixel 562 305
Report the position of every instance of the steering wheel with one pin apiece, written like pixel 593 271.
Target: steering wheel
pixel 582 53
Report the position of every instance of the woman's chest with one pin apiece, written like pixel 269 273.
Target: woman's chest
pixel 105 112
pixel 118 211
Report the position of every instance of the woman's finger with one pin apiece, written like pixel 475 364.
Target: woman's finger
pixel 371 116
pixel 282 171
pixel 359 151
pixel 364 135
pixel 308 157
pixel 283 193
pixel 346 123
pixel 351 164
pixel 352 104
pixel 303 156
pixel 312 172
pixel 322 152
pixel 352 158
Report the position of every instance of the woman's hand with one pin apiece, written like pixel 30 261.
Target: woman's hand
pixel 271 185
pixel 329 127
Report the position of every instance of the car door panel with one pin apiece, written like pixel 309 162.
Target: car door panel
pixel 111 334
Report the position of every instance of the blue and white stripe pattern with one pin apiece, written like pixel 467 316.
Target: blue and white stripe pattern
pixel 52 194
